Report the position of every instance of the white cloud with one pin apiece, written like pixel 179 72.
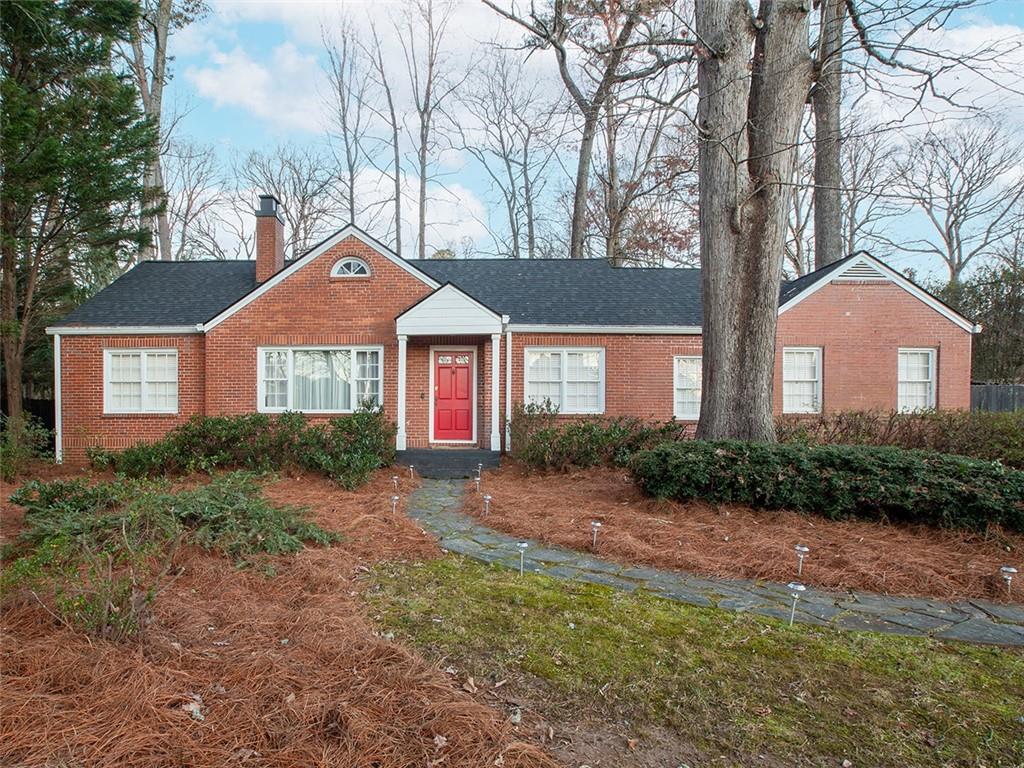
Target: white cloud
pixel 283 90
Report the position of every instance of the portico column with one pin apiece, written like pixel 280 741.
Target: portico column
pixel 400 415
pixel 495 389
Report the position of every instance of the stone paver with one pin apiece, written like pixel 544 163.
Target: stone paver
pixel 436 506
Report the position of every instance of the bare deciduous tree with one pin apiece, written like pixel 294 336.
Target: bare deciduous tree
pixel 421 33
pixel 627 41
pixel 194 193
pixel 388 115
pixel 867 181
pixel 147 59
pixel 749 117
pixel 966 183
pixel 646 182
pixel 799 253
pixel 301 179
pixel 347 70
pixel 826 102
pixel 513 138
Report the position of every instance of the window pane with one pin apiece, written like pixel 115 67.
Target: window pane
pixel 544 377
pixel 687 387
pixel 275 379
pixel 915 386
pixel 322 380
pixel 800 380
pixel 367 379
pixel 126 396
pixel 126 366
pixel 582 395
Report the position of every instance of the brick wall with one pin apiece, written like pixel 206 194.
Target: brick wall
pixel 311 307
pixel 859 325
pixel 83 422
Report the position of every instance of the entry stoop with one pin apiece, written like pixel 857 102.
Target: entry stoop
pixel 447 464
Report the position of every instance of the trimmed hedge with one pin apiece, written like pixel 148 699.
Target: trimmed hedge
pixel 543 441
pixel 347 448
pixel 876 483
pixel 979 434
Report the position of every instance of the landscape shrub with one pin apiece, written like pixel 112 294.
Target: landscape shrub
pixel 980 434
pixel 21 439
pixel 97 555
pixel 347 448
pixel 879 483
pixel 545 442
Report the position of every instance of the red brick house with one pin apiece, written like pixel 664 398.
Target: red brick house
pixel 447 347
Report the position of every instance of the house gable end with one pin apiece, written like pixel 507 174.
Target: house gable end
pixel 863 267
pixel 448 310
pixel 326 246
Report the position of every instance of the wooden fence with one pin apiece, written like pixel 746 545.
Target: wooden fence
pixel 997 397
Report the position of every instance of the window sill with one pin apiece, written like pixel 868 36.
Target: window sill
pixel 116 414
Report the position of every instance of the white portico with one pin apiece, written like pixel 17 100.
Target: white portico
pixel 454 381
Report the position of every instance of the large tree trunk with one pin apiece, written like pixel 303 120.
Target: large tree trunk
pixel 531 234
pixel 12 350
pixel 749 117
pixel 398 185
pixel 422 225
pixel 578 232
pixel 826 99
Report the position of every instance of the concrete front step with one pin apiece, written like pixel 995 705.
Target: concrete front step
pixel 447 463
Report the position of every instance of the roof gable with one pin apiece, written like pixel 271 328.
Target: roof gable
pixel 448 310
pixel 311 255
pixel 859 267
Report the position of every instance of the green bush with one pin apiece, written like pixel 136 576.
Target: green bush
pixel 838 482
pixel 347 448
pixel 979 434
pixel 99 554
pixel 21 439
pixel 544 441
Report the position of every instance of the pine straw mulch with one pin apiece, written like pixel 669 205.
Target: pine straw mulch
pixel 732 541
pixel 284 670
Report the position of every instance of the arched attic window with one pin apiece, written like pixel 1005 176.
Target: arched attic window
pixel 350 266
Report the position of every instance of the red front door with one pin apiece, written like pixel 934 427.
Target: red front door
pixel 453 395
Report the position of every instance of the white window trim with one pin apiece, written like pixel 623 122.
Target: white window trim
pixel 932 376
pixel 144 352
pixel 336 269
pixel 561 394
pixel 433 368
pixel 260 367
pixel 818 384
pixel 675 386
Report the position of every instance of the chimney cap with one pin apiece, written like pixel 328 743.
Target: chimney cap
pixel 269 205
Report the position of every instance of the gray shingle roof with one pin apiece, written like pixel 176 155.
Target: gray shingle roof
pixel 571 292
pixel 167 293
pixel 793 287
pixel 562 291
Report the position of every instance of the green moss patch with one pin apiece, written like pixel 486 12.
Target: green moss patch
pixel 731 684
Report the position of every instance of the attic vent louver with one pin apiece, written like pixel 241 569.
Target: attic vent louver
pixel 862 271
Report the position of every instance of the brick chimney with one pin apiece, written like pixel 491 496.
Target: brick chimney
pixel 269 238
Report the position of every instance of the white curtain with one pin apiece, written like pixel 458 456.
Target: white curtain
pixel 322 380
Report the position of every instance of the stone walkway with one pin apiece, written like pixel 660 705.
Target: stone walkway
pixel 436 506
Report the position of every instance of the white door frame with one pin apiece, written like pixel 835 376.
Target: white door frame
pixel 430 414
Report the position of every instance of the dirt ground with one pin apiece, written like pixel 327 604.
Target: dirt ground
pixel 242 668
pixel 739 542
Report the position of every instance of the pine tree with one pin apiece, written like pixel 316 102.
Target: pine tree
pixel 73 150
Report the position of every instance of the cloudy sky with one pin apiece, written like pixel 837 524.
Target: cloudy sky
pixel 251 76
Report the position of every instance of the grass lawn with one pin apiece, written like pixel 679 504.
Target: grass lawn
pixel 737 689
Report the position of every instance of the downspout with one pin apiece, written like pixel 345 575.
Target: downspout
pixel 508 390
pixel 58 444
